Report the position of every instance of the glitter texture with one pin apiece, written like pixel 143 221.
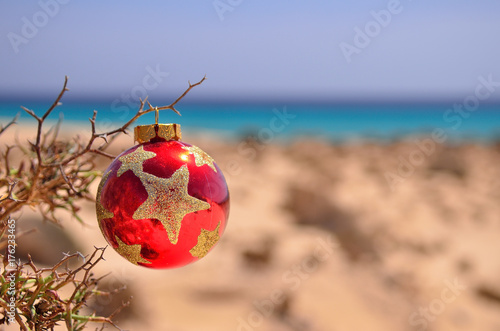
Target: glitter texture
pixel 206 240
pixel 133 161
pixel 102 212
pixel 168 201
pixel 130 252
pixel 164 211
pixel 200 157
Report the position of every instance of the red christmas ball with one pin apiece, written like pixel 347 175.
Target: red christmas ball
pixel 162 203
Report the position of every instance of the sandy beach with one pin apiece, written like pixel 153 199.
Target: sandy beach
pixel 322 238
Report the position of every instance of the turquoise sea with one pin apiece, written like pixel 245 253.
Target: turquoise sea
pixel 283 121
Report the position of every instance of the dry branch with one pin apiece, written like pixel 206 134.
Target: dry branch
pixel 54 175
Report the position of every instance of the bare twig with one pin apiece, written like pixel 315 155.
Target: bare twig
pixel 14 120
pixel 10 193
pixel 67 180
pixel 42 119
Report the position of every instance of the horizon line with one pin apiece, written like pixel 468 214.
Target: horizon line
pixel 318 101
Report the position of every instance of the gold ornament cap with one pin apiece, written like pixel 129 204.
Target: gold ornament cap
pixel 145 133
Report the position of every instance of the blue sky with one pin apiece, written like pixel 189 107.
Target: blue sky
pixel 259 50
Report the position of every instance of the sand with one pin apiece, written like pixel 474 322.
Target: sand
pixel 321 237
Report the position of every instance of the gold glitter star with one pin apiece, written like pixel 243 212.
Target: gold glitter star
pixel 206 240
pixel 133 161
pixel 200 157
pixel 130 252
pixel 102 212
pixel 168 201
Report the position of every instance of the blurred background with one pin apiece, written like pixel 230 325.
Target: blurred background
pixel 360 142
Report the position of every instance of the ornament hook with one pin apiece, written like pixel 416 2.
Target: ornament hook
pixel 157 115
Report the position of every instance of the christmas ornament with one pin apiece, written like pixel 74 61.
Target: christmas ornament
pixel 162 203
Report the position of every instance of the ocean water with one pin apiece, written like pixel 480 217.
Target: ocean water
pixel 282 121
